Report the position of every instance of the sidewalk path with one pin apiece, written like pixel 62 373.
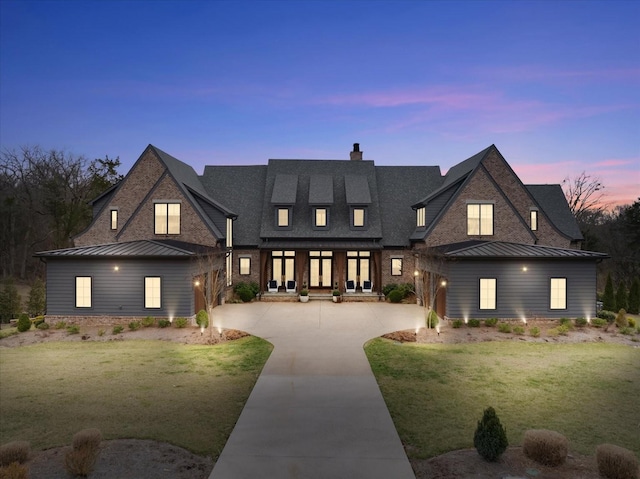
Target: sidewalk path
pixel 316 410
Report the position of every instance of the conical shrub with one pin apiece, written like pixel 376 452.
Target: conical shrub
pixel 490 439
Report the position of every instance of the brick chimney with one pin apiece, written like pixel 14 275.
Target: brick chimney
pixel 356 154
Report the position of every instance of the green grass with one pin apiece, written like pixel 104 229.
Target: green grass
pixel 5 332
pixel 190 396
pixel 436 393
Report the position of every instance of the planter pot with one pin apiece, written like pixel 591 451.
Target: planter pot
pixel 336 299
pixel 304 299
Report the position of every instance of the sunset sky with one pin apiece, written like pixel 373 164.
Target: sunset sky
pixel 555 85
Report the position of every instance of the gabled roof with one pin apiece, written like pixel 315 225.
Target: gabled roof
pixel 141 249
pixel 552 200
pixel 502 249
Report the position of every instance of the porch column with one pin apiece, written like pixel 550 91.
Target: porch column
pixel 340 257
pixel 264 256
pixel 377 271
pixel 301 261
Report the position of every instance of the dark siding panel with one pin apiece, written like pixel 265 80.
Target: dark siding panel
pixel 521 294
pixel 119 293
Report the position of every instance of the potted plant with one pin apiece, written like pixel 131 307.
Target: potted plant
pixel 304 295
pixel 336 295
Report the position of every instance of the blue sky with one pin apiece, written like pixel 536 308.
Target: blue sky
pixel 555 85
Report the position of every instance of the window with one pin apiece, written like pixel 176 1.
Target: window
pixel 245 266
pixel 167 218
pixel 421 219
pixel 558 296
pixel 480 219
pixel 114 219
pixel 487 293
pixel 358 217
pixel 321 218
pixel 282 217
pixel 152 292
pixel 533 220
pixel 396 266
pixel 83 291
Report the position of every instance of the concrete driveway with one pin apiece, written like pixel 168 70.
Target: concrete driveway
pixel 316 410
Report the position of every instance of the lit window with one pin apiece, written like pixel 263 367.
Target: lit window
pixel 558 296
pixel 114 219
pixel 283 217
pixel 152 292
pixel 321 218
pixel 396 266
pixel 534 220
pixel 480 219
pixel 83 291
pixel 487 293
pixel 358 217
pixel 245 265
pixel 421 219
pixel 167 218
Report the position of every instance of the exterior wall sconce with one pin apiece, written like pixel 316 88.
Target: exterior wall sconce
pixel 524 269
pixel 116 268
pixel 443 283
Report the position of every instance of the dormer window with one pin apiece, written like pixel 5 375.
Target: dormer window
pixel 533 220
pixel 283 217
pixel 358 217
pixel 321 218
pixel 167 218
pixel 421 217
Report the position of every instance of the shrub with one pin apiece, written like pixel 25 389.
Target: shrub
pixel 598 322
pixel 117 329
pixel 457 323
pixel 202 319
pixel 535 332
pixel 632 322
pixel 163 323
pixel 628 331
pixel 36 302
pixel 615 462
pixel 581 322
pixel 518 330
pixel 15 451
pixel 10 301
pixel 405 289
pixel 608 315
pixel 134 325
pixel 181 322
pixel 432 319
pixel 388 288
pixel 553 332
pixel 546 447
pixel 634 297
pixel 14 471
pixel 148 321
pixel 564 321
pixel 608 298
pixel 621 319
pixel 43 326
pixel 504 328
pixel 490 438
pixel 474 323
pixel 24 323
pixel 395 296
pixel 101 332
pixel 73 329
pixel 246 292
pixel 37 321
pixel 81 459
pixel 491 322
pixel 563 330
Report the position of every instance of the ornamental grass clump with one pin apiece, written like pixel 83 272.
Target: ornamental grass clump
pixel 15 470
pixel 82 456
pixel 615 462
pixel 621 319
pixel 490 438
pixel 15 451
pixel 546 447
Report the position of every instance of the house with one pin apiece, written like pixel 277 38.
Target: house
pixel 476 241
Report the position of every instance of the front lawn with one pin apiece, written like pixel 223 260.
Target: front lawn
pixel 436 393
pixel 190 396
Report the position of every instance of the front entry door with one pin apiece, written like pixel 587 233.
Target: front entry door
pixel 320 266
pixel 358 266
pixel 283 266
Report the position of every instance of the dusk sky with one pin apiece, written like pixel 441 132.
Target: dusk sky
pixel 555 85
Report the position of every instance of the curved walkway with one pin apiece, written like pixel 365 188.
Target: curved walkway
pixel 316 410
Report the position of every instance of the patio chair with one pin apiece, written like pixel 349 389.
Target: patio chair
pixel 350 286
pixel 272 286
pixel 291 286
pixel 367 286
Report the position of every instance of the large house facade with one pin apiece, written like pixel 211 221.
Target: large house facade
pixel 476 242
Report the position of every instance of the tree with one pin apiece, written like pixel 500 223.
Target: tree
pixel 10 301
pixel 37 299
pixel 490 438
pixel 634 297
pixel 210 279
pixel 584 196
pixel 430 269
pixel 621 296
pixel 608 298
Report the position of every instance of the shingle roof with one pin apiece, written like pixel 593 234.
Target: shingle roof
pixel 552 200
pixel 357 190
pixel 321 190
pixel 141 248
pixel 285 189
pixel 501 249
